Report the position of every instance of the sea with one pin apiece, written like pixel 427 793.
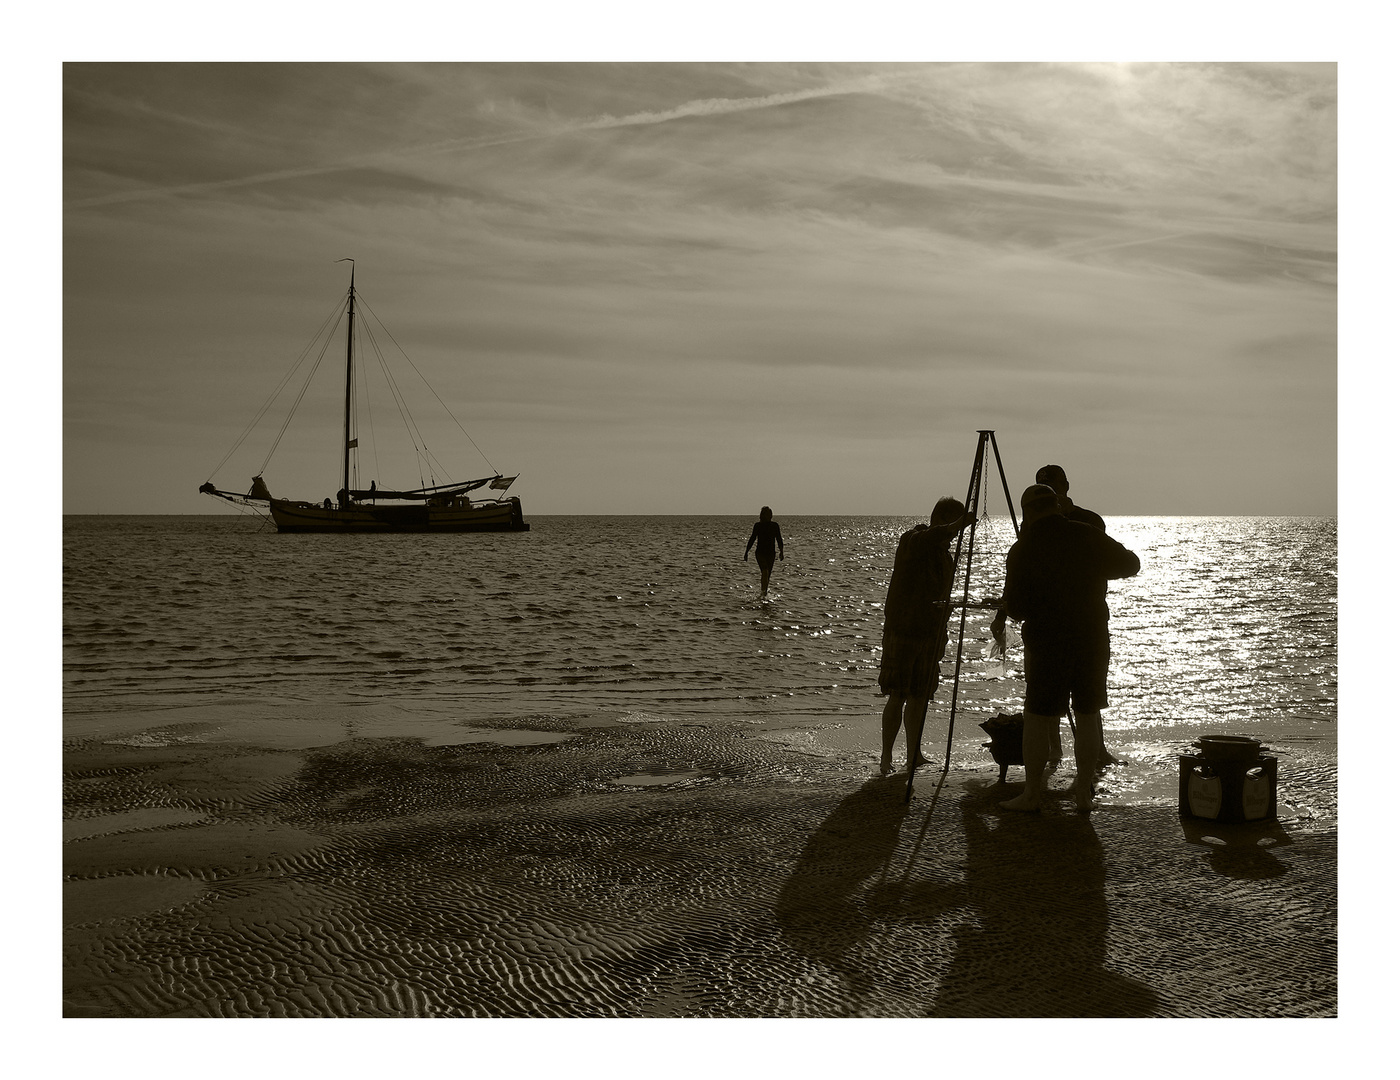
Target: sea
pixel 218 629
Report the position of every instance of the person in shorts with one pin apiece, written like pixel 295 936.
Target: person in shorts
pixel 916 628
pixel 1057 577
pixel 1053 477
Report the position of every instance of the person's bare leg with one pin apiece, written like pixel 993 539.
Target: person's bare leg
pixel 1035 750
pixel 889 728
pixel 1088 739
pixel 915 710
pixel 1105 757
pixel 764 569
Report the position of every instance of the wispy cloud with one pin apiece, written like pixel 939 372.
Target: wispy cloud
pixel 551 128
pixel 727 106
pixel 853 260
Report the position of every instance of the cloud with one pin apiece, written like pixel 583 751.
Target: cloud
pixel 727 106
pixel 141 114
pixel 849 261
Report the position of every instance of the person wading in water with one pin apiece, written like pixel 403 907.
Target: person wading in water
pixel 770 541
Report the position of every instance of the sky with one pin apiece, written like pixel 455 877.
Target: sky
pixel 704 287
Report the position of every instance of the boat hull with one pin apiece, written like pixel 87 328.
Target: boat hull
pixel 502 516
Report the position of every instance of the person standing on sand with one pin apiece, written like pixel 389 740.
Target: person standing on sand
pixel 916 627
pixel 769 539
pixel 1057 577
pixel 1053 477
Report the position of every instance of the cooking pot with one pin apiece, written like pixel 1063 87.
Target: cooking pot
pixel 1228 747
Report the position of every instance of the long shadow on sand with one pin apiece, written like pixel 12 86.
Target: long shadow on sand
pixel 1036 943
pixel 822 908
pixel 1030 903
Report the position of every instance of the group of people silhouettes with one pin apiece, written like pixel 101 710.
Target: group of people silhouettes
pixel 1057 575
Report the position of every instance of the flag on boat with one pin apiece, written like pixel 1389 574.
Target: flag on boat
pixel 503 482
pixel 352 444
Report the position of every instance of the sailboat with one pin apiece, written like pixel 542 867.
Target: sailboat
pixel 435 507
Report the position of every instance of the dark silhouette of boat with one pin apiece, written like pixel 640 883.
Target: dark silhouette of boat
pixel 436 507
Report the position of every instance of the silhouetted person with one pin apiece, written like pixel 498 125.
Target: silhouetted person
pixel 1057 577
pixel 1053 477
pixel 770 541
pixel 916 627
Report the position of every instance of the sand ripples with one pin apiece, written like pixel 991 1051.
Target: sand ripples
pixel 662 858
pixel 389 878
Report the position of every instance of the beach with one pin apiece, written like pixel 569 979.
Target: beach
pixel 661 870
pixel 415 418
pixel 585 772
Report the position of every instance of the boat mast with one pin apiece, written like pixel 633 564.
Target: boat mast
pixel 349 381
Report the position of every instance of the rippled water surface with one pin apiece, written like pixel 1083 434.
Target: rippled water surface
pixel 218 621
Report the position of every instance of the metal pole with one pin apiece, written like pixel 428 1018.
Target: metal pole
pixel 983 438
pixel 349 379
pixel 1010 506
pixel 970 503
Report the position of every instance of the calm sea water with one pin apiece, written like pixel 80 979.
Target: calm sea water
pixel 234 632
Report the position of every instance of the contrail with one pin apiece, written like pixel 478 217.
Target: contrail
pixel 699 107
pixel 206 185
pixel 721 106
pixel 1077 249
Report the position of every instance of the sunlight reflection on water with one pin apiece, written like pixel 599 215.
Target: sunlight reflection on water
pixel 1230 627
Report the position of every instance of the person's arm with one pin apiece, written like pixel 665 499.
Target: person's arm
pixel 778 534
pixel 752 537
pixel 1013 594
pixel 952 528
pixel 998 628
pixel 1118 561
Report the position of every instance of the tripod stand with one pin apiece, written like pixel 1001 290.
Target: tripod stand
pixel 974 489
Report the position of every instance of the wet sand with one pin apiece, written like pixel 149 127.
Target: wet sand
pixel 660 871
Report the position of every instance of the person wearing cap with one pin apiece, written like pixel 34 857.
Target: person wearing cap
pixel 1053 477
pixel 1057 576
pixel 916 627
